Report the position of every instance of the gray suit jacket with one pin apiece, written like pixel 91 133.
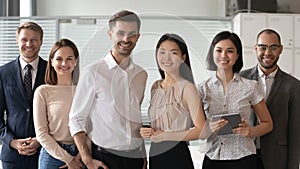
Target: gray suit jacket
pixel 280 149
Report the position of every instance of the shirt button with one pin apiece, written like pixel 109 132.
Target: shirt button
pixel 28 110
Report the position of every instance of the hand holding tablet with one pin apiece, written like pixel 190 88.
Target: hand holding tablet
pixel 233 121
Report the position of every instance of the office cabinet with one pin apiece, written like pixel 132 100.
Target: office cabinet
pixel 247 26
pixel 283 24
pixel 249 58
pixel 297 64
pixel 297 31
pixel 286 61
pixel 297 46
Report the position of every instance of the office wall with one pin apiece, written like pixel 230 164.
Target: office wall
pixel 108 7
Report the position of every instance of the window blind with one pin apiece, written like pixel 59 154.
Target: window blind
pixel 8 47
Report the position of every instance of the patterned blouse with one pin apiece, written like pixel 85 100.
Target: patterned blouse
pixel 240 96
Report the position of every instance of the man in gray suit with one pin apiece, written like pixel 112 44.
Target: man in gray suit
pixel 279 149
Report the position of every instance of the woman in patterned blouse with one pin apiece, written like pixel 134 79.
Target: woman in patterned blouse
pixel 228 93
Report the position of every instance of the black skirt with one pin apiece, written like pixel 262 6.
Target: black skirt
pixel 170 154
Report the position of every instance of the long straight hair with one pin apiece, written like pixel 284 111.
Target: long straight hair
pixel 185 69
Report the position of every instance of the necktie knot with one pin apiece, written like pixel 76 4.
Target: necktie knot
pixel 28 67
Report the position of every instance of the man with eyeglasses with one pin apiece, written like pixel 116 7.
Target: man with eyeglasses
pixel 280 148
pixel 272 48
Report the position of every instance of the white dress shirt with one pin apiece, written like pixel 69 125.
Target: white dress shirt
pixel 266 81
pixel 107 103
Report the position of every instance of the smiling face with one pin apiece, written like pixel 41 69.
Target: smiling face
pixel 124 36
pixel 268 50
pixel 225 54
pixel 170 57
pixel 64 61
pixel 29 43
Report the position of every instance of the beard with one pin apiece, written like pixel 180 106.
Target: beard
pixel 124 51
pixel 268 66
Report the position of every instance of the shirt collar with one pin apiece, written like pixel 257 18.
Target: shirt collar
pixel 236 77
pixel 34 63
pixel 111 62
pixel 271 75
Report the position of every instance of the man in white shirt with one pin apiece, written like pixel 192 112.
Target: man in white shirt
pixel 107 102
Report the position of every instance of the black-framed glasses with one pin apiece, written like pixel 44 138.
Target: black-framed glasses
pixel 272 48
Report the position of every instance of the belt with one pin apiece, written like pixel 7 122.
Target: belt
pixel 134 153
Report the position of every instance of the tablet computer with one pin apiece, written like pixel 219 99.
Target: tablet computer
pixel 233 121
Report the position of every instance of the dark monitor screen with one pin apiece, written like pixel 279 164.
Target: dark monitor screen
pixel 258 5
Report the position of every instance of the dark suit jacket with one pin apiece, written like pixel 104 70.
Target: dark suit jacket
pixel 19 123
pixel 280 149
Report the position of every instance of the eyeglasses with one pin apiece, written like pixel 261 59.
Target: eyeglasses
pixel 272 48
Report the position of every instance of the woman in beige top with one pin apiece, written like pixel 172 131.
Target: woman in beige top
pixel 175 110
pixel 51 107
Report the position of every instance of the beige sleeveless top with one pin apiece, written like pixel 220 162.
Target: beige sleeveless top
pixel 166 111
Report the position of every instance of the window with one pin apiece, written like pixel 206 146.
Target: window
pixel 8 47
pixel 90 35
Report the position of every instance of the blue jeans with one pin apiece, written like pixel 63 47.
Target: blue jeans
pixel 46 161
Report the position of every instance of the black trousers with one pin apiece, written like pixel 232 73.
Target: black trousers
pixel 170 155
pixel 248 162
pixel 114 159
pixel 259 160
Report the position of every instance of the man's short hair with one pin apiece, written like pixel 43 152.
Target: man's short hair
pixel 126 16
pixel 269 32
pixel 32 26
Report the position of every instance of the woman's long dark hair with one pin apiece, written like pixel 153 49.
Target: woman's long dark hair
pixel 185 69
